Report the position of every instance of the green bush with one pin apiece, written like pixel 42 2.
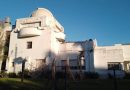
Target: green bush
pixel 127 76
pixel 91 75
pixel 47 74
pixel 26 74
pixel 12 75
pixel 60 75
pixel 3 74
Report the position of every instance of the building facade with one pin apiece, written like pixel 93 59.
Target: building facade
pixel 107 57
pixel 40 39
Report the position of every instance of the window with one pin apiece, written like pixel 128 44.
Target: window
pixel 73 64
pixel 114 65
pixel 29 45
pixel 77 67
pixel 12 64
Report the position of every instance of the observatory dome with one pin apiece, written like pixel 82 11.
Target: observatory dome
pixel 41 12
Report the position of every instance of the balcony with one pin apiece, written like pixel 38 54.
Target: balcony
pixel 29 32
pixel 60 36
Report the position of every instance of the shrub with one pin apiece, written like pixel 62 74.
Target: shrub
pixel 127 76
pixel 46 74
pixel 60 75
pixel 91 75
pixel 12 75
pixel 110 76
pixel 26 73
pixel 3 73
pixel 77 75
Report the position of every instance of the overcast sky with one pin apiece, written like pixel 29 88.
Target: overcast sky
pixel 106 20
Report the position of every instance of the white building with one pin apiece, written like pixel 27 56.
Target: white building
pixel 105 57
pixel 40 39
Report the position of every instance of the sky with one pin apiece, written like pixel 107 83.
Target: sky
pixel 107 21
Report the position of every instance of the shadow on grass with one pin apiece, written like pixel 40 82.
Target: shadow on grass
pixel 15 84
pixel 45 84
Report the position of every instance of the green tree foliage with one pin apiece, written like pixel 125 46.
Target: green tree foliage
pixel 1 39
pixel 3 48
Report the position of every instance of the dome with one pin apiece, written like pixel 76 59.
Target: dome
pixel 41 12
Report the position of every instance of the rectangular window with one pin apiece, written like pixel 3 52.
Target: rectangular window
pixel 73 64
pixel 114 65
pixel 29 45
pixel 12 64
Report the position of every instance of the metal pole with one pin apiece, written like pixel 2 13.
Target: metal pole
pixel 65 79
pixel 54 87
pixel 23 66
pixel 80 70
pixel 115 81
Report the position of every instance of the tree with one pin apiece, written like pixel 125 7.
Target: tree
pixel 3 46
pixel 1 40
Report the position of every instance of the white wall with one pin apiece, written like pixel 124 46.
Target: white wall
pixel 71 51
pixel 105 54
pixel 44 45
pixel 126 52
pixel 40 46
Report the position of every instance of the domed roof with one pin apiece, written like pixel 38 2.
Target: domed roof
pixel 41 12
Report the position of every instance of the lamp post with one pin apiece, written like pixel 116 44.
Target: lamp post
pixel 115 80
pixel 81 64
pixel 82 61
pixel 114 68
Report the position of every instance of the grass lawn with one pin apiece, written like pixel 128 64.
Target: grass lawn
pixel 15 84
pixel 42 84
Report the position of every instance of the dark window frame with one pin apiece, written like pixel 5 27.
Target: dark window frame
pixel 29 45
pixel 114 65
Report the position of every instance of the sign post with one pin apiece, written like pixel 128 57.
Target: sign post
pixel 23 67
